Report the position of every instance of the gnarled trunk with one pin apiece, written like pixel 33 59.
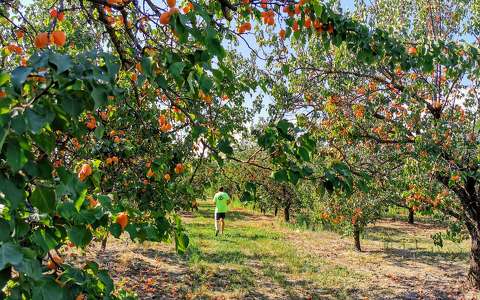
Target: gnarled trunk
pixel 356 237
pixel 286 212
pixel 411 215
pixel 474 271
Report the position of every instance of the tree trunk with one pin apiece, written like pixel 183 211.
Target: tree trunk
pixel 104 242
pixel 276 210
pixel 474 271
pixel 356 237
pixel 411 214
pixel 471 209
pixel 286 212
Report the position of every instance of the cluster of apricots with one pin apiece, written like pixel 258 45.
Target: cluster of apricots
pixel 245 27
pixel 55 14
pixel 268 17
pixel 187 8
pixel 111 160
pixel 116 135
pixel 85 171
pixel 91 122
pixel 165 17
pixel 57 37
pixel 165 126
pixel 14 48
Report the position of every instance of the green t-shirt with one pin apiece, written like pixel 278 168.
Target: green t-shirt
pixel 221 199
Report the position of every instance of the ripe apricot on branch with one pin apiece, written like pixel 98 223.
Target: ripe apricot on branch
pixel 412 50
pixel 179 168
pixel 92 123
pixel 41 40
pixel 171 3
pixel 165 18
pixel 282 34
pixel 85 171
pixel 60 16
pixel 166 177
pixel 122 220
pixel 150 173
pixel 20 34
pixel 59 38
pixel 53 13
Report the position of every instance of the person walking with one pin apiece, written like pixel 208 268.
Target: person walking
pixel 221 200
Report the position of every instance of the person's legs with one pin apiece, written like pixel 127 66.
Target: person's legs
pixel 216 223
pixel 222 223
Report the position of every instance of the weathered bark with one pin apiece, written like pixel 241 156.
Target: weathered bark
pixel 286 212
pixel 470 201
pixel 474 271
pixel 411 215
pixel 356 237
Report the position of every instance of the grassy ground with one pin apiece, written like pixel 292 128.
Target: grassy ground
pixel 259 258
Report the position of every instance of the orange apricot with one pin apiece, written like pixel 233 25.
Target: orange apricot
pixel 59 38
pixel 41 40
pixel 122 220
pixel 165 18
pixel 85 171
pixel 171 3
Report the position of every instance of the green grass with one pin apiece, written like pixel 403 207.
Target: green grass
pixel 251 254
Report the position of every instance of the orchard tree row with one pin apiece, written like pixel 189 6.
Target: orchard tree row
pixel 108 109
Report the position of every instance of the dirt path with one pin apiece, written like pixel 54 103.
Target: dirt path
pixel 259 258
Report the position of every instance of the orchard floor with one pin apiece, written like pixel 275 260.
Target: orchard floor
pixel 261 258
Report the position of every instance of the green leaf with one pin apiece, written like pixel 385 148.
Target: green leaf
pixel 36 121
pixel 4 78
pixel 280 175
pixel 5 275
pixel 116 230
pixel 61 61
pixel 283 126
pixel 10 254
pixel 80 236
pixel 31 267
pixel 44 239
pixel 45 141
pixel 293 176
pixel 106 280
pixel 16 157
pixel 181 242
pixel 176 69
pixel 72 105
pixel 99 95
pixel 99 131
pixel 224 146
pixel 3 136
pixel 205 83
pixel 4 230
pixel 147 66
pixel 48 290
pixel 43 198
pixel 304 154
pixel 12 193
pixel 19 75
